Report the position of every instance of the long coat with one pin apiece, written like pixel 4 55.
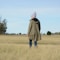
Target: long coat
pixel 34 29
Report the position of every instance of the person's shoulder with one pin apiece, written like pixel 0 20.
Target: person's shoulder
pixel 31 21
pixel 36 19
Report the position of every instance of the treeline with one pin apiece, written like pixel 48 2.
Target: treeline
pixel 48 33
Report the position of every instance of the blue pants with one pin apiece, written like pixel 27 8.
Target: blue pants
pixel 30 43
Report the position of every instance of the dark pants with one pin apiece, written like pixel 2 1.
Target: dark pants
pixel 30 43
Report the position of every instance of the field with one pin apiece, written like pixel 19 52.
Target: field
pixel 15 47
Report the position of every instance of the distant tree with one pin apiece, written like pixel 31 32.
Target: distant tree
pixel 49 33
pixel 19 33
pixel 3 26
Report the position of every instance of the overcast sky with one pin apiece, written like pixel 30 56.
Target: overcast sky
pixel 18 14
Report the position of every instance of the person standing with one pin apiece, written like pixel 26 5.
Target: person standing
pixel 34 30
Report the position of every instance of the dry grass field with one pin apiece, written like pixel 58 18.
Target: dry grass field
pixel 15 47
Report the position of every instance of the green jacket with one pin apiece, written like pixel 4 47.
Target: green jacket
pixel 34 29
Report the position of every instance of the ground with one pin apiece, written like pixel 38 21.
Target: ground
pixel 15 47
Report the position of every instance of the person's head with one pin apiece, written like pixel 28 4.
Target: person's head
pixel 33 15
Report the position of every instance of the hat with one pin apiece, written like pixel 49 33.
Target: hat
pixel 33 15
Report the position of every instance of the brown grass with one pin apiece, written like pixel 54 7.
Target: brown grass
pixel 17 48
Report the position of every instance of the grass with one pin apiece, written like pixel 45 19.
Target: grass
pixel 17 48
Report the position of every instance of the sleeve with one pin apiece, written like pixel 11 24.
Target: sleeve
pixel 29 28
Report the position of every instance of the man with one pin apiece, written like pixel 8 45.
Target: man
pixel 34 30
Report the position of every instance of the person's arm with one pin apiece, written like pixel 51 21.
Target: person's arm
pixel 29 28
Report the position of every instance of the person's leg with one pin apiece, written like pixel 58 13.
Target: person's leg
pixel 35 43
pixel 30 43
